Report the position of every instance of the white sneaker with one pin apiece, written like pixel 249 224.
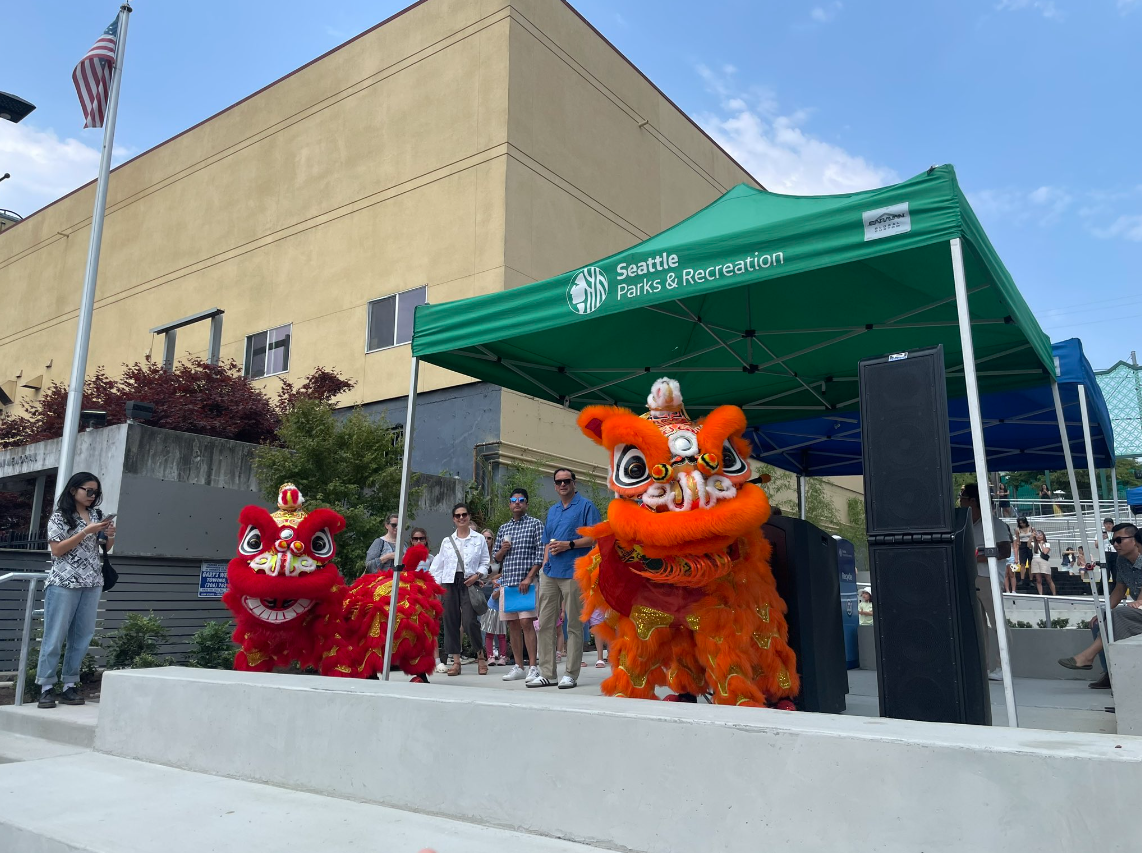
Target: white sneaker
pixel 995 675
pixel 566 682
pixel 442 667
pixel 516 674
pixel 466 659
pixel 532 672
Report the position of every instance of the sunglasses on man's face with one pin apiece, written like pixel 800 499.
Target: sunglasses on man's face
pixel 519 500
pixel 563 482
pixel 1118 540
pixel 459 515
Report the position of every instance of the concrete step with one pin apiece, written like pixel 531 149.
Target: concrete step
pixel 68 724
pixel 622 774
pixel 105 804
pixel 15 748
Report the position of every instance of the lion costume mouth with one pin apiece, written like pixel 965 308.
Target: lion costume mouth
pixel 277 610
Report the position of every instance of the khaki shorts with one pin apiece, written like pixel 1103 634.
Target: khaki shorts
pixel 515 617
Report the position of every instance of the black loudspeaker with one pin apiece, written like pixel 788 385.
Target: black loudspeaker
pixel 904 436
pixel 804 563
pixel 928 624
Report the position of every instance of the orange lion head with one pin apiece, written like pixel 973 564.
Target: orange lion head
pixel 678 482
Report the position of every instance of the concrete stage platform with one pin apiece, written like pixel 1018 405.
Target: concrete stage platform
pixel 314 763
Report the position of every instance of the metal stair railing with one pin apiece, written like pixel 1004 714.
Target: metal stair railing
pixel 32 578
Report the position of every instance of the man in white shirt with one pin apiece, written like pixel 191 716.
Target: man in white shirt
pixel 969 497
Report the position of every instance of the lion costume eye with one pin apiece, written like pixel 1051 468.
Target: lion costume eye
pixel 321 545
pixel 630 468
pixel 732 463
pixel 251 542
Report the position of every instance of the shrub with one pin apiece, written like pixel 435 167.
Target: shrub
pixel 1020 624
pixel 1055 623
pixel 139 637
pixel 212 647
pixel 1083 623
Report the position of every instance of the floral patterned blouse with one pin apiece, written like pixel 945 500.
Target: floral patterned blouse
pixel 82 566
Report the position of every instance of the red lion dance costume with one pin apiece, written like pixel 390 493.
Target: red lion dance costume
pixel 291 604
pixel 680 565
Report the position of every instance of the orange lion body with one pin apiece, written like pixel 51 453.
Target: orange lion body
pixel 680 566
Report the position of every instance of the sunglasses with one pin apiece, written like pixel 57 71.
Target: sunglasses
pixel 459 515
pixel 519 500
pixel 1118 540
pixel 563 482
pixel 420 539
pixel 89 492
pixel 392 524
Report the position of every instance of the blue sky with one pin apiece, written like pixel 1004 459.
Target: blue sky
pixel 1034 101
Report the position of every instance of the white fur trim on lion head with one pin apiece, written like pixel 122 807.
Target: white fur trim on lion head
pixel 665 396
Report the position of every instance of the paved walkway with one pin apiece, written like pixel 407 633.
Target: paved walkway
pixel 1055 705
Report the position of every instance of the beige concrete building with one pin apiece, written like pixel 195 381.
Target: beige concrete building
pixel 459 148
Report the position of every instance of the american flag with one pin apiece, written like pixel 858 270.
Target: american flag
pixel 92 77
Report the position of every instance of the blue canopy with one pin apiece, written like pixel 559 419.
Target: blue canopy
pixel 1021 430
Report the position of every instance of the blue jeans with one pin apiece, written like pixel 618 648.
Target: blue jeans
pixel 69 614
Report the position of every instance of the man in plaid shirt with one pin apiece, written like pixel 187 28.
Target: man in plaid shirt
pixel 519 548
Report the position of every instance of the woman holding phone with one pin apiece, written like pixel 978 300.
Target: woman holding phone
pixel 74 585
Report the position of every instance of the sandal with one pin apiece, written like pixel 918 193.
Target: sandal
pixel 482 665
pixel 455 668
pixel 600 664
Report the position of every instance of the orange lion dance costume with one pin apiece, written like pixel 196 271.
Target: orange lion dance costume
pixel 680 565
pixel 291 604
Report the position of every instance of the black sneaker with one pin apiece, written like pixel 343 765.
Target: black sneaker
pixel 47 699
pixel 71 697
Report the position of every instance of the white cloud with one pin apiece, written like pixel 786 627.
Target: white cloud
pixel 1126 227
pixel 1044 206
pixel 45 167
pixel 776 147
pixel 825 14
pixel 1046 8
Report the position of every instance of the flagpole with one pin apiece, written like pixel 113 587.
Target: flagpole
pixel 83 333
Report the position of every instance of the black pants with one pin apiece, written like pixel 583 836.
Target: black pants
pixel 458 612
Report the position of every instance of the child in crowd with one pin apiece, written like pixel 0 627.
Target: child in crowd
pixel 600 645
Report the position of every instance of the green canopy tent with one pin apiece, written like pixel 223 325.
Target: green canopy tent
pixel 765 301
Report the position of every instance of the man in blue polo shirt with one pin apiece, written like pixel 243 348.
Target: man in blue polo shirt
pixel 557 585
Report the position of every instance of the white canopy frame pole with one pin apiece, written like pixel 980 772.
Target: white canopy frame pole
pixel 402 512
pixel 1108 628
pixel 980 452
pixel 802 496
pixel 1074 487
pixel 1114 489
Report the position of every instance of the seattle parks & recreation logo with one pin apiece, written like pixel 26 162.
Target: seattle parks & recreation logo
pixel 587 290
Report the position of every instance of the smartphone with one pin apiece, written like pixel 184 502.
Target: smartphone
pixel 110 516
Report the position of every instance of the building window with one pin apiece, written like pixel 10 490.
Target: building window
pixel 267 352
pixel 390 319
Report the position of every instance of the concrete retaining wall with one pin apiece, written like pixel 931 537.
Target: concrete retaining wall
pixel 1035 652
pixel 630 775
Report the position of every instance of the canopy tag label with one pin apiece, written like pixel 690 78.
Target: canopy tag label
pixel 886 221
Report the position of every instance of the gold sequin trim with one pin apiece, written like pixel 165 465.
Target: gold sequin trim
pixel 694 621
pixel 638 682
pixel 375 628
pixel 723 686
pixel 254 658
pixel 762 641
pixel 783 679
pixel 647 620
pixel 329 653
pixel 763 612
pixel 383 590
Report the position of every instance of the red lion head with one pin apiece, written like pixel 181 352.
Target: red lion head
pixel 284 567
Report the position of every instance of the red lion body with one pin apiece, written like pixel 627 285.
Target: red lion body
pixel 291 604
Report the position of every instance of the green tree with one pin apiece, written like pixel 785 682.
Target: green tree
pixel 489 497
pixel 351 465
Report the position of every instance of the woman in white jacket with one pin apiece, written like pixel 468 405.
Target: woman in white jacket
pixel 461 562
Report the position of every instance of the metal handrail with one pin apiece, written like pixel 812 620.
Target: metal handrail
pixel 1046 601
pixel 32 578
